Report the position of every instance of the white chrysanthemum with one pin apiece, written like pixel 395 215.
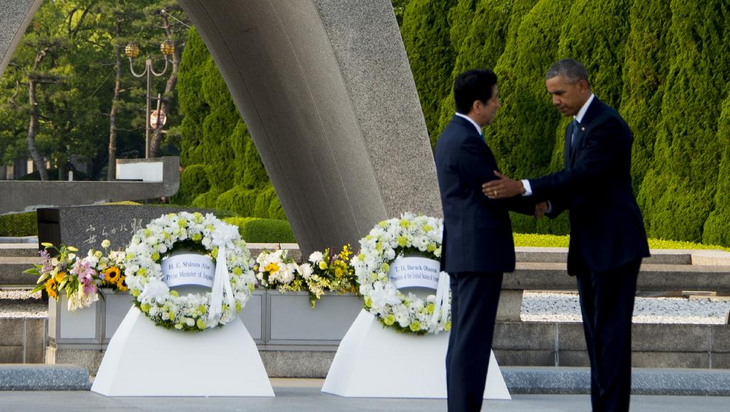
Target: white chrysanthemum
pixel 316 257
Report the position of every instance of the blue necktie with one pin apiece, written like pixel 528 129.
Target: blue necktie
pixel 576 125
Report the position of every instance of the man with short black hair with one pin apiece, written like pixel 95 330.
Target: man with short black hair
pixel 477 241
pixel 607 236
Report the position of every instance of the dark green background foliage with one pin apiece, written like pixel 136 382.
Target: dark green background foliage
pixel 255 230
pixel 425 34
pixel 19 224
pixel 221 167
pixel 664 65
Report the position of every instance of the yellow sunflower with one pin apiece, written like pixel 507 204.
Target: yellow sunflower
pixel 51 288
pixel 111 275
pixel 120 284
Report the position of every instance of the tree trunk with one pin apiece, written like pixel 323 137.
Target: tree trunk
pixel 112 165
pixel 169 89
pixel 33 129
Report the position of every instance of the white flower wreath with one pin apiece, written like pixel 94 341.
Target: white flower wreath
pixel 387 240
pixel 191 312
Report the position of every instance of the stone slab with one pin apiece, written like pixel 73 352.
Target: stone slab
pixel 43 378
pixel 36 336
pixel 11 354
pixel 87 226
pixel 695 360
pixel 560 255
pixel 571 337
pixel 27 195
pixel 711 257
pixel 720 338
pixel 663 382
pixel 554 276
pixel 677 338
pixel 297 364
pixel 19 248
pixel 573 358
pixel 11 271
pixel 524 335
pixel 12 331
pixel 523 357
pixel 720 360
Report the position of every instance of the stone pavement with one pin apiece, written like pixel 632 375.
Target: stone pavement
pixel 300 395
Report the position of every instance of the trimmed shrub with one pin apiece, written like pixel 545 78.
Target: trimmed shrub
pixel 717 227
pixel 19 224
pixel 425 34
pixel 222 167
pixel 678 191
pixel 595 33
pixel 523 133
pixel 490 23
pixel 644 74
pixel 255 230
pixel 193 181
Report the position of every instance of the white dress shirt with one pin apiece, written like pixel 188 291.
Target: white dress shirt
pixel 479 129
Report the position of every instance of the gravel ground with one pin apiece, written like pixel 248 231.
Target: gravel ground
pixel 20 303
pixel 564 307
pixel 536 307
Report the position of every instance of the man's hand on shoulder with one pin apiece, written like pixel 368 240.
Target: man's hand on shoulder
pixel 502 187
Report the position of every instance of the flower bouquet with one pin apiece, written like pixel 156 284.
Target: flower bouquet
pixel 66 272
pixel 329 272
pixel 79 277
pixel 277 270
pixel 109 266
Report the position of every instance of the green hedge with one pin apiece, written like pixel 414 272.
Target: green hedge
pixel 255 230
pixel 19 224
pixel 425 34
pixel 523 133
pixel 678 192
pixel 644 74
pixel 222 168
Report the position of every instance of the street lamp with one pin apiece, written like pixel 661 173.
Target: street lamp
pixel 132 51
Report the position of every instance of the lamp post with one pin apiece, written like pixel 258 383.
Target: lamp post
pixel 132 51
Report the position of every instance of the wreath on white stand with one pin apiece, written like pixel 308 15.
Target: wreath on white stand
pixel 233 282
pixel 410 235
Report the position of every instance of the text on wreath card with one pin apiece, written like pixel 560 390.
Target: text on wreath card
pixel 188 269
pixel 414 272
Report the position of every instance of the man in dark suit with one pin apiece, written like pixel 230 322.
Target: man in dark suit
pixel 477 241
pixel 607 237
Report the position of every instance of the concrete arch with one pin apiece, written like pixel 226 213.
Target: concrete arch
pixel 326 91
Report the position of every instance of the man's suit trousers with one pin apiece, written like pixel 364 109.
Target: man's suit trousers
pixel 607 305
pixel 475 297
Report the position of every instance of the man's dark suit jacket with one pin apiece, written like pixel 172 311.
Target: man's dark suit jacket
pixel 477 230
pixel 606 228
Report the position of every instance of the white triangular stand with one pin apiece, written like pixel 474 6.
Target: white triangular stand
pixel 375 362
pixel 146 360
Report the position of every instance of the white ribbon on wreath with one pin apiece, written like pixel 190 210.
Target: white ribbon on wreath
pixel 223 238
pixel 442 306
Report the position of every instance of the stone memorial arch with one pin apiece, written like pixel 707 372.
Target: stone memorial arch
pixel 326 91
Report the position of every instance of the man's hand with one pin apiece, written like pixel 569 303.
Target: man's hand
pixel 503 187
pixel 540 209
